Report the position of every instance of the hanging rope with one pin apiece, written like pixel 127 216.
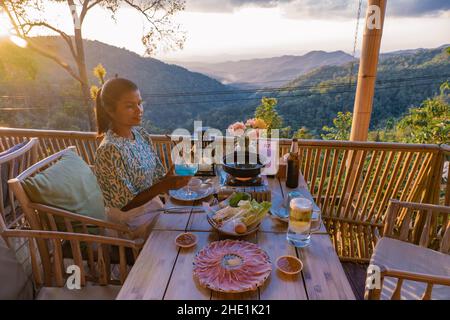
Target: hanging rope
pixel 358 15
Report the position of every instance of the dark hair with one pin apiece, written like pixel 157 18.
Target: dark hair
pixel 106 100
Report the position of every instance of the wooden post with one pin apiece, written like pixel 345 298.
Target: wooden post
pixel 368 69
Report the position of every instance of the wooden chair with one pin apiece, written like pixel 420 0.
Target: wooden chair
pixel 43 217
pixel 96 279
pixel 410 267
pixel 11 164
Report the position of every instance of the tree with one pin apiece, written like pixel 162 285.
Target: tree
pixel 266 111
pixel 341 129
pixel 15 62
pixel 429 123
pixel 303 133
pixel 158 14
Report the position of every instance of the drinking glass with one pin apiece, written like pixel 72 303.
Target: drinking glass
pixel 300 215
pixel 316 221
pixel 187 169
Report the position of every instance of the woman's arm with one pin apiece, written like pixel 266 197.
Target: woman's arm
pixel 163 186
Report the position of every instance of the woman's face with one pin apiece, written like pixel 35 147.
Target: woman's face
pixel 129 110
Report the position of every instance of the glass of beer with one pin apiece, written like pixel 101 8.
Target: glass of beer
pixel 300 216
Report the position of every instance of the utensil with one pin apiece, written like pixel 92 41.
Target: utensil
pixel 186 209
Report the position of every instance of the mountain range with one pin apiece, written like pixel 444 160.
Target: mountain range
pixel 176 96
pixel 259 73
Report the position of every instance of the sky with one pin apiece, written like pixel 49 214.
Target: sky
pixel 219 30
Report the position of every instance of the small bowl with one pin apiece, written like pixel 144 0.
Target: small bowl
pixel 290 259
pixel 188 235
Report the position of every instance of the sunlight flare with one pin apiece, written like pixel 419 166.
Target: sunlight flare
pixel 18 41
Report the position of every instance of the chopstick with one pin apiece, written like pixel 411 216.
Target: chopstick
pixel 185 209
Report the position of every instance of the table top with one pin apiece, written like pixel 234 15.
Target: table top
pixel 164 271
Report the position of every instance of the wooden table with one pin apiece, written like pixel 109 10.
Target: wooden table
pixel 163 271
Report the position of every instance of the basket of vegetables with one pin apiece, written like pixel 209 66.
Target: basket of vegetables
pixel 239 215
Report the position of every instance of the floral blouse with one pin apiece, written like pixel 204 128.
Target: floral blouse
pixel 125 167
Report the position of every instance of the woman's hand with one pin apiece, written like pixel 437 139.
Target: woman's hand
pixel 176 182
pixel 163 186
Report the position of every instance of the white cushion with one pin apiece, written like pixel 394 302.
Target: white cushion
pixel 400 255
pixel 89 292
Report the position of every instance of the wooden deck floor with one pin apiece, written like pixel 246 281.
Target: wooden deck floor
pixel 356 275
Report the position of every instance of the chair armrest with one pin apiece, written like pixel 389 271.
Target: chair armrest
pixel 80 218
pixel 413 276
pixel 422 225
pixel 401 275
pixel 47 264
pixel 71 236
pixel 420 206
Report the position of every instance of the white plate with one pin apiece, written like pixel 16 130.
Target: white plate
pixel 228 228
pixel 202 193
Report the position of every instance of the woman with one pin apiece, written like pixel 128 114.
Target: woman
pixel 128 170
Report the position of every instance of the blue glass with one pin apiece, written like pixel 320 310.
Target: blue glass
pixel 186 169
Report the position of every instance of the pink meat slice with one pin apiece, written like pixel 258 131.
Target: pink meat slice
pixel 209 270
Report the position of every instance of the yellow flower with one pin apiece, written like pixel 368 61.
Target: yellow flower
pixel 94 92
pixel 260 124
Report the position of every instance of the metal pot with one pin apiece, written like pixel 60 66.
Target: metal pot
pixel 238 164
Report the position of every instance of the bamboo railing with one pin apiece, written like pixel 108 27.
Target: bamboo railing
pixel 352 182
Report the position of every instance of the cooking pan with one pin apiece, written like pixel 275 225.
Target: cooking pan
pixel 238 164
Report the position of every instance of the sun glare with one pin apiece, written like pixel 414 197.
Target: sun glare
pixel 18 41
pixel 4 30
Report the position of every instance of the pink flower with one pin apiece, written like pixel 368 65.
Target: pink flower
pixel 250 123
pixel 237 128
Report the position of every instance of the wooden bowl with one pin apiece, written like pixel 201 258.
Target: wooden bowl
pixel 187 235
pixel 296 265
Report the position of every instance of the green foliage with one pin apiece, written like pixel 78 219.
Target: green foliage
pixel 341 129
pixel 326 91
pixel 15 62
pixel 429 123
pixel 303 133
pixel 267 111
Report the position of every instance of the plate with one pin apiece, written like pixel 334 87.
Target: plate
pixel 202 193
pixel 280 213
pixel 232 266
pixel 228 227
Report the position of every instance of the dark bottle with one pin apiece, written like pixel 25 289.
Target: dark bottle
pixel 293 166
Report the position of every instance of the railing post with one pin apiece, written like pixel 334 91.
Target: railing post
pixel 431 190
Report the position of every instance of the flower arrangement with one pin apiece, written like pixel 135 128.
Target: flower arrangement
pixel 251 127
pixel 247 133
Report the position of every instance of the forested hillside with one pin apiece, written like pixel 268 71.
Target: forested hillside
pixel 36 93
